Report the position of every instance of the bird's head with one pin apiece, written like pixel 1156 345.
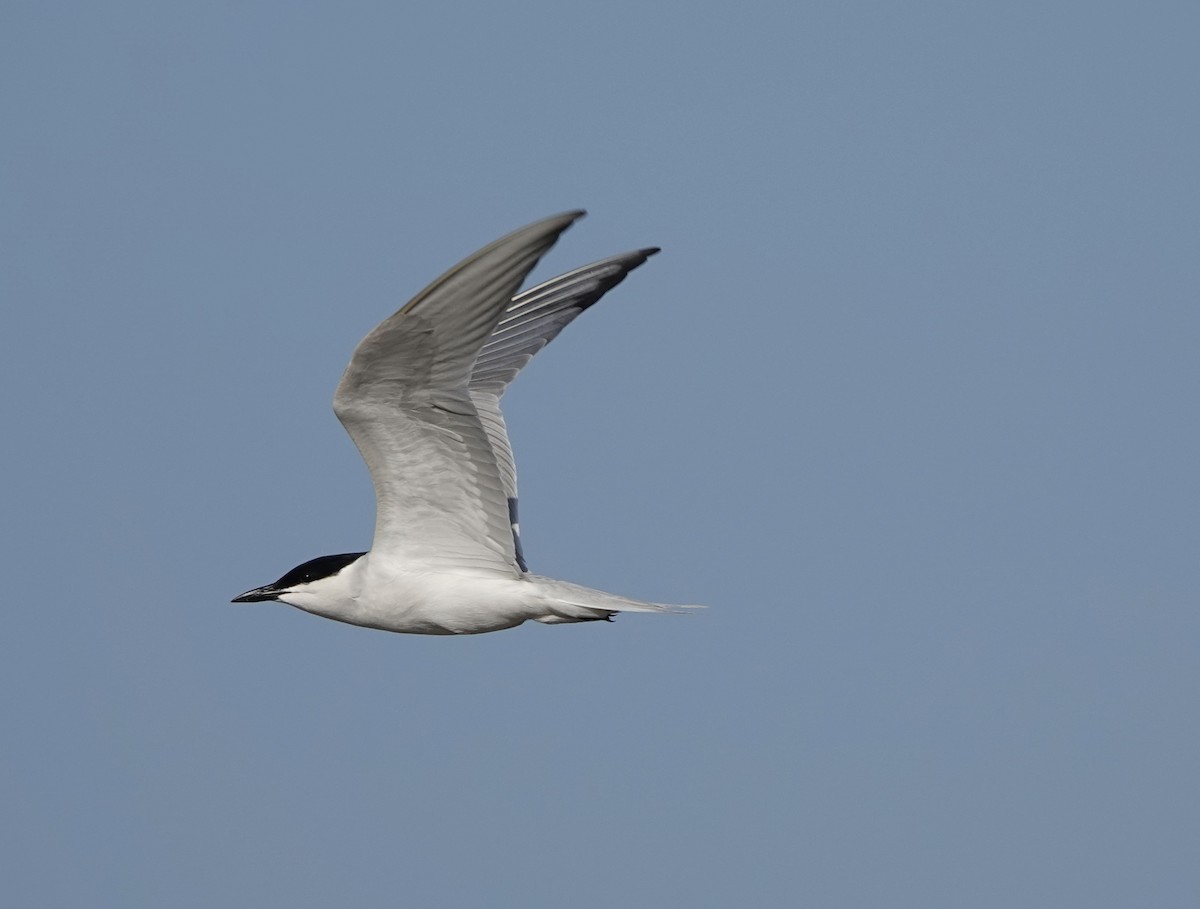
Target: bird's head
pixel 306 585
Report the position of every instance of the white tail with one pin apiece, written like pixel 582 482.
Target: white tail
pixel 568 602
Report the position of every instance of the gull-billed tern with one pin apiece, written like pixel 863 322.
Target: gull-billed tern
pixel 421 399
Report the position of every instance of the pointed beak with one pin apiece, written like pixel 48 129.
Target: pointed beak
pixel 257 595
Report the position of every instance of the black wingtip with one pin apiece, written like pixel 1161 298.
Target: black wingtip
pixel 638 257
pixel 556 224
pixel 628 261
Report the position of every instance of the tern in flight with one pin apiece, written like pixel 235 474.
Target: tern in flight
pixel 421 400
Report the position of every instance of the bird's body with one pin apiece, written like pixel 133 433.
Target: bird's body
pixel 391 597
pixel 421 399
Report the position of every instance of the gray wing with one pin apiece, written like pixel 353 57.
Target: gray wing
pixel 533 320
pixel 405 402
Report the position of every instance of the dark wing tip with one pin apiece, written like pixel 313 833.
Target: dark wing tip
pixel 628 262
pixel 568 216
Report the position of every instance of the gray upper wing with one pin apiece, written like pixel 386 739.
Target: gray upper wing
pixel 404 400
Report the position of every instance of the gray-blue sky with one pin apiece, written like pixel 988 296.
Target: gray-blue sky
pixel 909 399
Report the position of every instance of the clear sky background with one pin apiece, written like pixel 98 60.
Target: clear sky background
pixel 909 399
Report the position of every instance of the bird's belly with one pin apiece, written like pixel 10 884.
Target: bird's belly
pixel 426 603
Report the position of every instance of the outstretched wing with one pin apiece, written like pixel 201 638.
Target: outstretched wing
pixel 533 320
pixel 404 400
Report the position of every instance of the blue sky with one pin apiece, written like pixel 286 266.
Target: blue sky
pixel 909 399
